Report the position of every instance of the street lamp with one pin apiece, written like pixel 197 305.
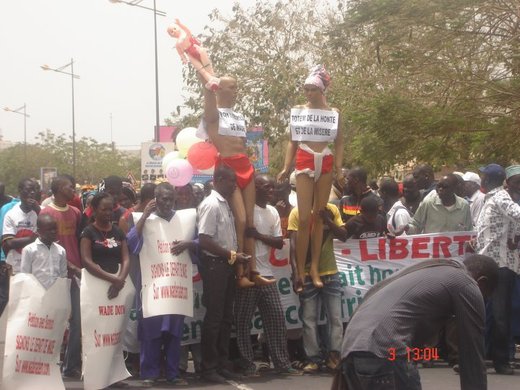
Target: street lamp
pixel 22 111
pixel 73 76
pixel 136 3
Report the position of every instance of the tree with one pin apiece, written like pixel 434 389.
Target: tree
pixel 94 161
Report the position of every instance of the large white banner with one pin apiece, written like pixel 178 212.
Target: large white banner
pixel 361 264
pixel 103 323
pixel 37 319
pixel 167 279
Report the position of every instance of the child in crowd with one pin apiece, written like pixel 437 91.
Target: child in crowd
pixel 43 258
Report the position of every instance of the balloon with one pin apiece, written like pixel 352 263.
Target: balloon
pixel 185 139
pixel 169 157
pixel 179 172
pixel 202 155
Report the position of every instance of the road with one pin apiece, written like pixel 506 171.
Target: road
pixel 438 377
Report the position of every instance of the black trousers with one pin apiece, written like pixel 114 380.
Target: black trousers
pixel 502 303
pixel 218 283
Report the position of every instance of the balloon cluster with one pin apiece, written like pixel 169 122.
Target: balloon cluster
pixel 194 156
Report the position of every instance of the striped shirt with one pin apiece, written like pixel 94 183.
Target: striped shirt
pixel 410 311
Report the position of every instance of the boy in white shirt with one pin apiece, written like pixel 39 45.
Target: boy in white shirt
pixel 43 258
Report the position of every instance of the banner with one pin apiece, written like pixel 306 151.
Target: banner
pixel 152 154
pixel 37 319
pixel 361 264
pixel 314 125
pixel 166 279
pixel 103 323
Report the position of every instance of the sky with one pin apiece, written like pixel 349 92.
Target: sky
pixel 113 50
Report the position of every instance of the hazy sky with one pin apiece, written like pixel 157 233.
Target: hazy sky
pixel 113 50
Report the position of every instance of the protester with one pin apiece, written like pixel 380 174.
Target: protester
pixel 103 247
pixel 403 210
pixel 425 178
pixel 473 195
pixel 112 185
pixel 198 194
pixel 163 332
pixel 68 219
pixel 314 164
pixel 268 234
pixel 44 258
pixel 184 198
pixel 19 227
pixel 497 227
pixel 442 211
pixel 400 315
pixel 329 295
pixel 356 189
pixel 389 192
pixel 218 241
pixel 369 223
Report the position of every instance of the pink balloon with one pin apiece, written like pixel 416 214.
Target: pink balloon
pixel 179 172
pixel 202 155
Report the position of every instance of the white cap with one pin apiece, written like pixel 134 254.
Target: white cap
pixel 458 174
pixel 472 176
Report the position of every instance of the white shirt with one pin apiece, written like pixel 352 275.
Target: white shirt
pixel 499 221
pixel 398 217
pixel 267 221
pixel 476 202
pixel 216 220
pixel 15 222
pixel 46 264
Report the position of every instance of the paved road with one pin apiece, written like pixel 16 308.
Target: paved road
pixel 438 377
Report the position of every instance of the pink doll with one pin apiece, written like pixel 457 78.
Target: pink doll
pixel 188 46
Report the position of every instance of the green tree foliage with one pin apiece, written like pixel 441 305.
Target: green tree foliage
pixel 427 80
pixel 93 160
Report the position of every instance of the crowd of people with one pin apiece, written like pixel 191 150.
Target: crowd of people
pixel 31 231
pixel 241 215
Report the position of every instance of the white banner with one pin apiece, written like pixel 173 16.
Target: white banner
pixel 314 125
pixel 361 264
pixel 37 319
pixel 231 123
pixel 166 279
pixel 103 323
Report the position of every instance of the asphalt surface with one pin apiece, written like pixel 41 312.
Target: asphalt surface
pixel 438 377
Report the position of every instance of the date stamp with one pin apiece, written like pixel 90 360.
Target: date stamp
pixel 415 354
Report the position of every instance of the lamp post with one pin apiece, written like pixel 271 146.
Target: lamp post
pixel 73 76
pixel 22 111
pixel 136 3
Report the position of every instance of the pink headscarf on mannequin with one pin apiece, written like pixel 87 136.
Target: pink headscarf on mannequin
pixel 318 77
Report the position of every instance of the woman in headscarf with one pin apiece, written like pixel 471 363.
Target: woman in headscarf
pixel 314 126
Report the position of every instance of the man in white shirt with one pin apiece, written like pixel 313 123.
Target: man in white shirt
pixel 268 234
pixel 403 210
pixel 19 229
pixel 43 258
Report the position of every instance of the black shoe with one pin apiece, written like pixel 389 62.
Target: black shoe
pixel 230 375
pixel 213 377
pixel 504 370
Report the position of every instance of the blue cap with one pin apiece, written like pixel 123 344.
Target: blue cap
pixel 493 170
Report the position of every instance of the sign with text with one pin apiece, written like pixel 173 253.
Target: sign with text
pixel 37 319
pixel 103 323
pixel 361 264
pixel 314 125
pixel 167 286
